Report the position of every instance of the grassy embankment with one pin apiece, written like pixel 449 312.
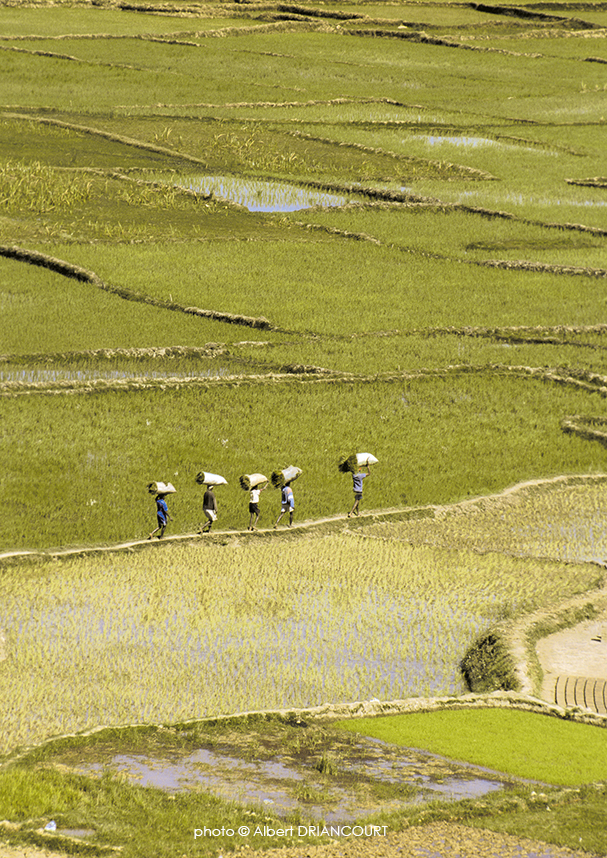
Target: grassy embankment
pixel 548 750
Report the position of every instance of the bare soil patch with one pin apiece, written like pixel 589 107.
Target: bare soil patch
pixel 437 840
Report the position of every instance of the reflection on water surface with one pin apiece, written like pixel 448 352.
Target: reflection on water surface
pixel 259 196
pixel 289 784
pixel 34 376
pixel 467 142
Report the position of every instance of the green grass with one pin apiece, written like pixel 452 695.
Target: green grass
pixel 466 236
pixel 414 351
pixel 75 467
pixel 579 824
pixel 147 822
pixel 303 285
pixel 68 19
pixel 45 312
pixel 143 823
pixel 517 743
pixel 563 520
pixel 121 644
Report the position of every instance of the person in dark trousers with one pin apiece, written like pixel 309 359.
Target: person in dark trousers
pixel 357 486
pixel 162 515
pixel 254 506
pixel 287 504
pixel 209 508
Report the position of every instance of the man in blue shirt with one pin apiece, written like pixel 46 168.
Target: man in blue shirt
pixel 162 514
pixel 357 485
pixel 287 501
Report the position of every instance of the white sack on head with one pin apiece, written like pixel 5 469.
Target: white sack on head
pixel 158 488
pixel 287 475
pixel 204 478
pixel 366 459
pixel 250 481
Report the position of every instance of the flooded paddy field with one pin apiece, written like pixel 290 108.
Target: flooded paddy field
pixel 320 773
pixel 560 519
pixel 42 376
pixel 260 196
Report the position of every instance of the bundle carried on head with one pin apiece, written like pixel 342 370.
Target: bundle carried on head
pixel 158 488
pixel 204 478
pixel 349 464
pixel 250 481
pixel 287 475
pixel 355 461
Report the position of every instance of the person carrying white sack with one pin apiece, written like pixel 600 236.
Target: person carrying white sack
pixel 254 505
pixel 357 485
pixel 209 508
pixel 287 504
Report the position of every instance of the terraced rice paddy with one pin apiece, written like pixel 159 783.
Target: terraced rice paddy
pixel 436 297
pixel 258 625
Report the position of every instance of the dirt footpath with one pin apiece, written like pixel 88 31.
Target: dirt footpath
pixel 574 665
pixel 578 651
pixel 438 840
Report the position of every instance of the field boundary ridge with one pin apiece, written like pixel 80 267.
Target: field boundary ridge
pixel 505 656
pixel 327 712
pixel 299 373
pixel 339 519
pixel 67 269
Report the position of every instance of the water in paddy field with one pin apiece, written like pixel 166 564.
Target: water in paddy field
pixel 286 783
pixel 466 142
pixel 259 196
pixel 261 661
pixel 580 539
pixel 521 199
pixel 35 376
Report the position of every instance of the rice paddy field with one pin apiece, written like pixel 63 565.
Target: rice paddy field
pixel 240 236
pixel 202 630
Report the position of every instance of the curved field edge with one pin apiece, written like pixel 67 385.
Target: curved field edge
pixel 505 656
pixel 377 195
pixel 373 655
pixel 328 713
pixel 76 272
pixel 344 608
pixel 106 804
pixel 561 752
pixel 573 378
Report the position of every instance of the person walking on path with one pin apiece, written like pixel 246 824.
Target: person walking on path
pixel 254 505
pixel 209 508
pixel 357 485
pixel 162 514
pixel 287 501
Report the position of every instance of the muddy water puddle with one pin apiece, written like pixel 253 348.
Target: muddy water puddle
pixel 317 773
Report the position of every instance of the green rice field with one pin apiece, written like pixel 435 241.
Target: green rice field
pixel 554 751
pixel 236 237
